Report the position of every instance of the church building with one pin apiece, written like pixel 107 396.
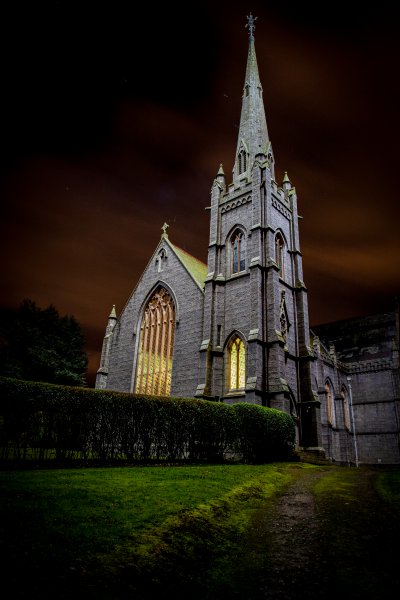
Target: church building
pixel 237 329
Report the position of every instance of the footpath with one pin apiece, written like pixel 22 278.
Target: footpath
pixel 329 535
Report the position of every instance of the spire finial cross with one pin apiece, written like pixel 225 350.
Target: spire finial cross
pixel 165 227
pixel 250 24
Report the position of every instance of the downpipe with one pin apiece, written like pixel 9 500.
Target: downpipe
pixel 352 420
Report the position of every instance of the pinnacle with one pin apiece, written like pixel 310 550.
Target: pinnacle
pixel 113 314
pixel 286 178
pixel 221 171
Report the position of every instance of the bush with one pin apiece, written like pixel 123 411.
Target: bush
pixel 264 433
pixel 40 419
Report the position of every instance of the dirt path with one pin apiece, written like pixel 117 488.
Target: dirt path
pixel 344 545
pixel 297 565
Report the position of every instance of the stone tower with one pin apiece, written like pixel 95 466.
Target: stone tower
pixel 260 297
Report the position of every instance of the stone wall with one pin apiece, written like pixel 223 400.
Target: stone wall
pixel 188 298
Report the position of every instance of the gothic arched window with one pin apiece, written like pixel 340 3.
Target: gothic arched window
pixel 237 360
pixel 329 398
pixel 242 161
pixel 238 253
pixel 279 246
pixel 346 409
pixel 156 345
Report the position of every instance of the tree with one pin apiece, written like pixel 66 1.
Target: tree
pixel 40 345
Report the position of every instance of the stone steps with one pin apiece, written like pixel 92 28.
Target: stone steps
pixel 314 456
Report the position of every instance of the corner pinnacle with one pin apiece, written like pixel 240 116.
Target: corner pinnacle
pixel 286 178
pixel 113 314
pixel 221 171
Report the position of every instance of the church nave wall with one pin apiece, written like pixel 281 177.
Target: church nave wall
pixel 188 331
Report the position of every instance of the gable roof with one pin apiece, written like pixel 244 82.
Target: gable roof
pixel 196 268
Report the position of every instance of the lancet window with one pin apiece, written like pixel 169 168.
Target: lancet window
pixel 238 253
pixel 346 409
pixel 237 364
pixel 242 161
pixel 330 407
pixel 156 345
pixel 279 246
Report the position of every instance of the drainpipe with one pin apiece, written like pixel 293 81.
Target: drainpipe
pixel 352 420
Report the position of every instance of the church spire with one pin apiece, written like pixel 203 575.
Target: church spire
pixel 253 125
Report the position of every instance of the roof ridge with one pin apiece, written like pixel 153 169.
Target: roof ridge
pixel 198 260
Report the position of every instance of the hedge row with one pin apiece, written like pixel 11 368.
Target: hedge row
pixel 42 420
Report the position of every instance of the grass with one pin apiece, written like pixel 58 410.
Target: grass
pixel 361 550
pixel 104 530
pixel 388 487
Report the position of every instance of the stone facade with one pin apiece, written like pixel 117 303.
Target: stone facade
pixel 264 304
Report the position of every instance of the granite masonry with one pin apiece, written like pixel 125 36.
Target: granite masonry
pixel 340 381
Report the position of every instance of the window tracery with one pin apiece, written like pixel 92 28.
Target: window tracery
pixel 238 253
pixel 156 345
pixel 242 159
pixel 279 245
pixel 330 407
pixel 237 364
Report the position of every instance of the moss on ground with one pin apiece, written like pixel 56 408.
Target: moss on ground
pixel 361 538
pixel 145 528
pixel 388 487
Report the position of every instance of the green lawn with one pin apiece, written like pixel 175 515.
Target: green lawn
pixel 388 486
pixel 362 542
pixel 103 529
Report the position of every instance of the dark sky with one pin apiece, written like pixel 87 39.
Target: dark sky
pixel 115 118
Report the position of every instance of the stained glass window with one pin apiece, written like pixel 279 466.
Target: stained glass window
pixel 237 365
pixel 235 255
pixel 346 410
pixel 330 408
pixel 279 254
pixel 242 256
pixel 154 368
pixel 238 253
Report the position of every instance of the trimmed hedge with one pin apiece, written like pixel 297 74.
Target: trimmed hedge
pixel 40 419
pixel 264 433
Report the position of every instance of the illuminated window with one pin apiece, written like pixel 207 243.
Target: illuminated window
pixel 330 409
pixel 279 245
pixel 156 346
pixel 237 364
pixel 346 410
pixel 238 253
pixel 242 161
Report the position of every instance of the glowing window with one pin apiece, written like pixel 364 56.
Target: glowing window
pixel 156 346
pixel 237 364
pixel 346 410
pixel 238 253
pixel 279 245
pixel 330 409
